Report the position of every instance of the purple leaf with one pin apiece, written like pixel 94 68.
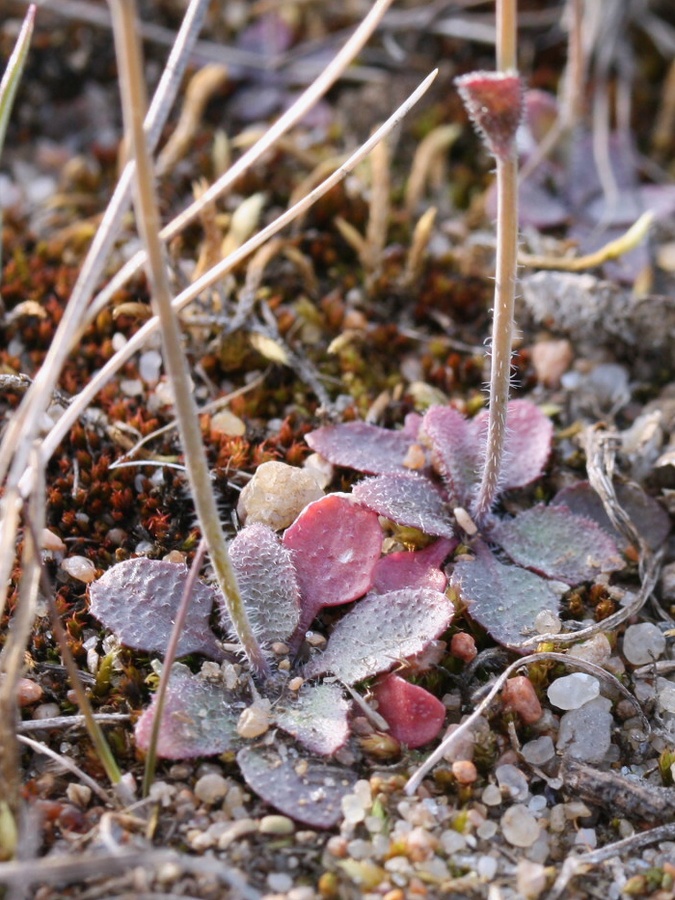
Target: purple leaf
pixel 408 500
pixel 455 452
pixel 267 582
pixel 559 544
pixel 334 544
pixel 528 443
pixel 138 600
pixel 307 791
pixel 198 719
pixel 413 569
pixel 381 630
pixel 505 600
pixel 649 518
pixel 494 101
pixel 366 448
pixel 415 717
pixel 317 718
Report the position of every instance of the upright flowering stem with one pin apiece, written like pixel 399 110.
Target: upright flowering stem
pixel 494 103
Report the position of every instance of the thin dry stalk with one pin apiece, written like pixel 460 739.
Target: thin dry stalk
pixel 293 114
pixel 82 400
pixel 378 211
pixel 147 213
pixel 431 149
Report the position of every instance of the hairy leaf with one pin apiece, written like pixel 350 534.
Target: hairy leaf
pixel 455 451
pixel 317 718
pixel 197 721
pixel 381 630
pixel 413 569
pixel 360 446
pixel 138 600
pixel 415 717
pixel 649 518
pixel 505 600
pixel 334 544
pixel 528 443
pixel 267 581
pixel 408 500
pixel 559 544
pixel 307 791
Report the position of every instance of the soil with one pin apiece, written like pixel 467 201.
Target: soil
pixel 325 334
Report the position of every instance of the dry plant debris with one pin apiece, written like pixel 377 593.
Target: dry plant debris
pixel 463 698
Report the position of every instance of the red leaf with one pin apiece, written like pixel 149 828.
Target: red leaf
pixel 414 716
pixel 494 101
pixel 414 569
pixel 334 544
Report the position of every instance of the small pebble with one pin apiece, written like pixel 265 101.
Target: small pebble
pixel 150 366
pixel 551 359
pixel 276 494
pixel 132 387
pixel 487 867
pixel 586 733
pixel 512 782
pixel 80 568
pixel 491 796
pixel 276 824
pixel 547 622
pixel 643 643
pixel 463 646
pixel 538 751
pixel 47 711
pixel 254 721
pixel 211 788
pixel 452 841
pixel 587 838
pixel 487 830
pixel 51 541
pixel 531 879
pixel 596 650
pixel 519 696
pixel 573 691
pixel 314 639
pixel 225 422
pixel 280 882
pixel 29 692
pixel 666 695
pixel 464 771
pixel 519 826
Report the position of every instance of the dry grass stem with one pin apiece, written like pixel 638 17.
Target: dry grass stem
pixel 430 151
pixel 615 249
pixel 202 86
pixel 135 343
pixel 147 214
pixel 378 209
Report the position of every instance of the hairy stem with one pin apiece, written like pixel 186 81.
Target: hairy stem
pixel 133 106
pixel 505 283
pixel 502 331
